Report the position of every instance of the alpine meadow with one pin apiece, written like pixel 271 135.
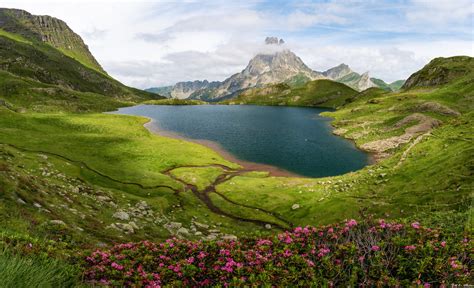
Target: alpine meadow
pixel 278 171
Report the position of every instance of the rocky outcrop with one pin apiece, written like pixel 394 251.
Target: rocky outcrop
pixel 49 30
pixel 183 90
pixel 440 71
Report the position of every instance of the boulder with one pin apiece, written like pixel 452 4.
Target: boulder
pixel 121 215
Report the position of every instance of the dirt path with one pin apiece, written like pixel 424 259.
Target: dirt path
pixel 201 195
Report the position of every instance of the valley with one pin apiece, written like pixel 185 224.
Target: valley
pixel 77 176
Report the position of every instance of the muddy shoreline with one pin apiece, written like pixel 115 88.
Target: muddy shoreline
pixel 152 126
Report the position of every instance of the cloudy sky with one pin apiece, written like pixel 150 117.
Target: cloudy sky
pixel 156 43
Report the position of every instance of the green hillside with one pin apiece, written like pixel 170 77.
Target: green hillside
pixel 71 183
pixel 321 93
pixel 48 30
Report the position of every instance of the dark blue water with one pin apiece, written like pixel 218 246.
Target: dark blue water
pixel 295 139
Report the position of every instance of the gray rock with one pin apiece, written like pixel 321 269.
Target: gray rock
pixel 215 231
pixel 295 206
pixel 201 225
pixel 20 201
pixel 198 233
pixel 121 215
pixel 268 226
pixel 57 222
pixel 134 225
pixel 126 228
pixel 183 231
pixel 229 237
pixel 37 205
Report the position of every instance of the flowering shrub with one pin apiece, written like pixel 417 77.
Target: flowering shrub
pixel 369 253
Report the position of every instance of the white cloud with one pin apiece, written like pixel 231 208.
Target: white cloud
pixel 151 43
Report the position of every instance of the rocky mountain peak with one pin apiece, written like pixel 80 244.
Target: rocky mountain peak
pixel 274 41
pixel 338 72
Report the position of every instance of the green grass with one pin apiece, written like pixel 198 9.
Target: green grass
pixel 201 177
pixel 320 93
pixel 174 101
pixel 14 36
pixel 17 271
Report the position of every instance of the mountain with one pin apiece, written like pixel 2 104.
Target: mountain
pixel 37 73
pixel 394 86
pixel 278 65
pixel 263 69
pixel 441 71
pixel 163 90
pixel 320 93
pixel 49 30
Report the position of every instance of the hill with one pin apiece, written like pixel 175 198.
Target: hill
pixel 35 75
pixel 48 30
pixel 320 93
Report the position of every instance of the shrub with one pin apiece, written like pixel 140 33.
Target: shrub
pixel 371 253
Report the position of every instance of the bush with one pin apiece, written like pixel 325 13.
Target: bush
pixel 372 253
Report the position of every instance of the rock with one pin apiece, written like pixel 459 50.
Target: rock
pixel 173 226
pixel 134 225
pixel 211 237
pixel 121 215
pixel 20 201
pixel 201 225
pixel 37 205
pixel 215 231
pixel 268 226
pixel 198 233
pixel 57 222
pixel 127 228
pixel 229 237
pixel 103 198
pixel 295 206
pixel 182 231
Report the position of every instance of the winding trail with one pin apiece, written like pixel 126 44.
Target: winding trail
pixel 203 195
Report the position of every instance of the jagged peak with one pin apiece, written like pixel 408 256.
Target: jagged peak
pixel 274 41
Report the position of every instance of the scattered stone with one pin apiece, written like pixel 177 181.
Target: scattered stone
pixel 295 206
pixel 229 237
pixel 57 222
pixel 215 231
pixel 268 226
pixel 37 205
pixel 211 237
pixel 20 201
pixel 182 231
pixel 126 228
pixel 198 233
pixel 201 225
pixel 121 215
pixel 134 225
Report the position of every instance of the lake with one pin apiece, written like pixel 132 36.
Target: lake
pixel 294 139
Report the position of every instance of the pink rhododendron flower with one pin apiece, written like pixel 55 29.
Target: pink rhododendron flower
pixel 415 225
pixel 116 266
pixel 410 247
pixel 375 248
pixel 351 223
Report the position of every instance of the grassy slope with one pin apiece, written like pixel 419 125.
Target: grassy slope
pixel 98 152
pixel 321 93
pixel 30 63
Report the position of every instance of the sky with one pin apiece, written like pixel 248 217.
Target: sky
pixel 157 43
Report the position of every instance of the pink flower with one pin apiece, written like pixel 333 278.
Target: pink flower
pixel 361 258
pixel 116 266
pixel 190 260
pixel 287 253
pixel 443 244
pixel 415 225
pixel 351 223
pixel 375 248
pixel 410 247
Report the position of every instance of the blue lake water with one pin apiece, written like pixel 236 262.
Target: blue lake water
pixel 291 138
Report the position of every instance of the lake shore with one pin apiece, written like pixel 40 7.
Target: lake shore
pixel 152 126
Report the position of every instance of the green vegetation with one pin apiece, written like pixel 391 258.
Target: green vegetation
pixel 31 271
pixel 320 93
pixel 81 180
pixel 175 101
